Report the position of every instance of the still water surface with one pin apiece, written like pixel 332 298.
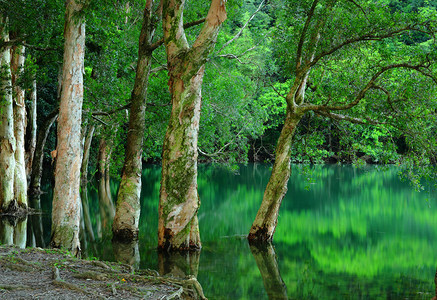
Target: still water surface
pixel 343 233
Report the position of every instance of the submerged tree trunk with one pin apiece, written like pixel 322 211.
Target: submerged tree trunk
pixel 125 225
pixel 7 139
pixel 179 201
pixel 266 219
pixel 20 178
pixel 66 194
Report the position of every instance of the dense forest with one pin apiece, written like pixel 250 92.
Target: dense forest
pixel 97 89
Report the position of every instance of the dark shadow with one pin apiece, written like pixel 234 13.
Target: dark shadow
pixel 265 257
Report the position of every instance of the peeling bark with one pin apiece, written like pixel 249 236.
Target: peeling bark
pixel 66 195
pixel 7 139
pixel 20 178
pixel 126 220
pixel 179 201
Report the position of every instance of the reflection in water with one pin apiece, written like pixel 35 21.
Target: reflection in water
pixel 127 253
pixel 35 231
pixel 178 264
pixel 265 257
pixel 356 233
pixel 182 265
pixel 13 231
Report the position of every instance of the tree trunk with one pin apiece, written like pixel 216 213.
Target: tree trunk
pixel 20 178
pixel 84 184
pixel 105 198
pixel 32 131
pixel 179 201
pixel 7 139
pixel 125 225
pixel 37 163
pixel 66 194
pixel 264 226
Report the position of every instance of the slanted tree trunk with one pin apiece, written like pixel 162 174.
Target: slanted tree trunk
pixel 66 194
pixel 266 219
pixel 20 178
pixel 179 201
pixel 7 139
pixel 31 132
pixel 37 163
pixel 125 225
pixel 84 184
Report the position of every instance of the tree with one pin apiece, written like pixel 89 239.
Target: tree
pixel 20 178
pixel 7 138
pixel 125 225
pixel 179 201
pixel 338 36
pixel 66 194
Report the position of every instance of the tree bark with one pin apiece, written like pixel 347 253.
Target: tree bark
pixel 20 178
pixel 7 139
pixel 66 195
pixel 266 219
pixel 126 220
pixel 179 201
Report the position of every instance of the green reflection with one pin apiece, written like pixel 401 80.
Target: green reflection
pixel 343 233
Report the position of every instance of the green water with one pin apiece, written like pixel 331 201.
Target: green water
pixel 343 233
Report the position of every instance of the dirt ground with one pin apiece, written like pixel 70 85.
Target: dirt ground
pixel 36 273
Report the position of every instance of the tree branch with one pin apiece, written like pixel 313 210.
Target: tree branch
pixel 302 35
pixel 339 117
pixel 186 26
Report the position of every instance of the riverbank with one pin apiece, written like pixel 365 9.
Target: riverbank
pixel 36 273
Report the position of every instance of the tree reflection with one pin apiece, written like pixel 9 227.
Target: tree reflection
pixel 178 264
pixel 265 257
pixel 13 231
pixel 127 253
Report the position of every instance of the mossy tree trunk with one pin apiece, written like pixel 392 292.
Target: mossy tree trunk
pixel 179 201
pixel 7 139
pixel 127 215
pixel 20 178
pixel 66 195
pixel 266 219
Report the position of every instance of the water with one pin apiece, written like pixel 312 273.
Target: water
pixel 343 233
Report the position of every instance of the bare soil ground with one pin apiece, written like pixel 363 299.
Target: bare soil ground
pixel 36 273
